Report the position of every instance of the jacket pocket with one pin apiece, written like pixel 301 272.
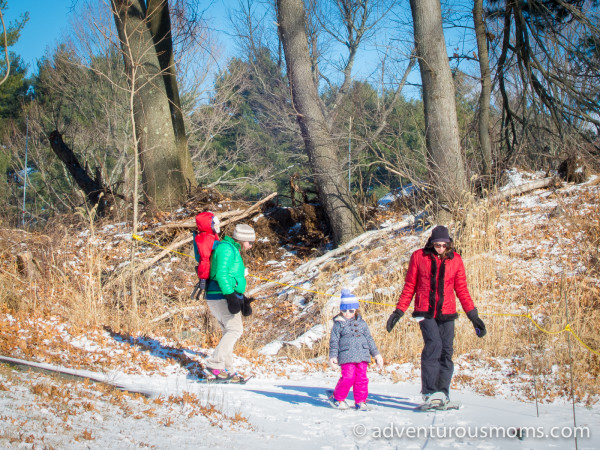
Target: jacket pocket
pixel 421 300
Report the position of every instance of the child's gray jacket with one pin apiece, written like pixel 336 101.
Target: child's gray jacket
pixel 351 341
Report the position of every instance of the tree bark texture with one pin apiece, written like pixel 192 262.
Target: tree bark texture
pixel 320 146
pixel 160 27
pixel 486 87
pixel 164 180
pixel 445 161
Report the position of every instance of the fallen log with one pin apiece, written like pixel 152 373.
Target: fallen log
pixel 353 245
pixel 72 374
pixel 95 191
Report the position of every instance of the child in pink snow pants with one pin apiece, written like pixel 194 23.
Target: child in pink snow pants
pixel 351 346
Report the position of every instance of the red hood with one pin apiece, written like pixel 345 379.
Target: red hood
pixel 204 221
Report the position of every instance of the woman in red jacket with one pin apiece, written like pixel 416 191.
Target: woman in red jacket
pixel 435 277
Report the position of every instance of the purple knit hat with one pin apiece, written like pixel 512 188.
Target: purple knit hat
pixel 439 234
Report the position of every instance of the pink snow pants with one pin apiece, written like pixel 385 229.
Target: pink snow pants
pixel 353 374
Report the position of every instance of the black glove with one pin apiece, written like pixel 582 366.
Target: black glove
pixel 393 320
pixel 246 308
pixel 234 302
pixel 477 323
pixel 198 290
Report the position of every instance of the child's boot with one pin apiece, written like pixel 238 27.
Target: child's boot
pixel 340 404
pixel 362 406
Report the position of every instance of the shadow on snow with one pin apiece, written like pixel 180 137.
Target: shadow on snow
pixel 316 396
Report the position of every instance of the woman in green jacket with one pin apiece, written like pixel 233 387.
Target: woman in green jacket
pixel 226 300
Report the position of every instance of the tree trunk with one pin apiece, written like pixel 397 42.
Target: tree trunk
pixel 160 27
pixel 486 88
pixel 446 166
pixel 320 147
pixel 163 175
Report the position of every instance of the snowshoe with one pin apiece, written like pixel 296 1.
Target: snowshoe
pixel 237 378
pixel 222 376
pixel 438 401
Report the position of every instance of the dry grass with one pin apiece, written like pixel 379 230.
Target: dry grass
pixel 73 289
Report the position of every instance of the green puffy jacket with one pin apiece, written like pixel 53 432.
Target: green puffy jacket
pixel 227 271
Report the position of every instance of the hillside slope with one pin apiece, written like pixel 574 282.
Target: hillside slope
pixel 533 268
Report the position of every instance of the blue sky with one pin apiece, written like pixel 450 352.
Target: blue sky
pixel 48 21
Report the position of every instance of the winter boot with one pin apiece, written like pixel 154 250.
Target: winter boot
pixel 438 399
pixel 362 406
pixel 340 404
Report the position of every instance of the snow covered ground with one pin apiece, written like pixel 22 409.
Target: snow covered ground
pixel 287 412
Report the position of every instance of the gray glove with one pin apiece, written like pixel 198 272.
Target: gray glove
pixel 199 289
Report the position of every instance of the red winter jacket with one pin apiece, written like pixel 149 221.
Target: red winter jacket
pixel 433 282
pixel 205 240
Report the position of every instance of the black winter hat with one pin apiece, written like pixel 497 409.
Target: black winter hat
pixel 439 234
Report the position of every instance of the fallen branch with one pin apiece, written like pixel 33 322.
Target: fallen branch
pixel 359 241
pixel 223 216
pixel 523 188
pixel 191 223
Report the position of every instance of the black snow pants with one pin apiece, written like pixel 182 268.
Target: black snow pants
pixel 436 358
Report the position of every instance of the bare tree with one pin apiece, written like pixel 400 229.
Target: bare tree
pixel 486 87
pixel 5 49
pixel 321 148
pixel 446 165
pixel 166 168
pixel 546 77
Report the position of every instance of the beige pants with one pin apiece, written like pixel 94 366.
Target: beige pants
pixel 231 324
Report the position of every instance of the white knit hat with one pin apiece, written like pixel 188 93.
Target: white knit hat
pixel 244 233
